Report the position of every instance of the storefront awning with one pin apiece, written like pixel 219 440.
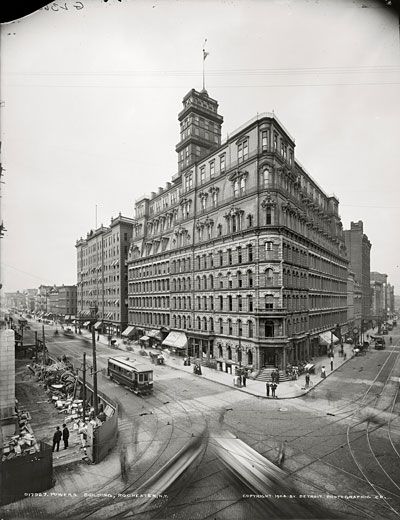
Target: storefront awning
pixel 326 338
pixel 176 340
pixel 128 331
pixel 97 325
pixel 154 333
pixel 86 323
pixel 144 338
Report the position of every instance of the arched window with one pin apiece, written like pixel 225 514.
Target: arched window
pixel 230 329
pixel 228 352
pixel 184 322
pixel 230 281
pixel 266 177
pixel 235 188
pixel 211 279
pixel 239 254
pixel 250 278
pixel 239 279
pixel 250 305
pixel 198 282
pixel 205 282
pixel 220 353
pixel 249 357
pixel 220 281
pixel 250 252
pixel 240 327
pixel 211 324
pixel 230 303
pixel 204 323
pixel 250 328
pixel 269 276
pixel 221 326
pixel 198 323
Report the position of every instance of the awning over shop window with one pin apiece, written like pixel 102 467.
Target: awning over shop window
pixel 176 340
pixel 86 323
pixel 128 331
pixel 97 325
pixel 144 338
pixel 154 333
pixel 72 317
pixel 326 338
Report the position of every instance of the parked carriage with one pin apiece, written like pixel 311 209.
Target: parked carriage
pixel 137 376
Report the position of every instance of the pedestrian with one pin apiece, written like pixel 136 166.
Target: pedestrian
pixel 244 379
pixel 277 376
pixel 391 340
pixel 98 337
pixel 123 464
pixel 267 386
pixel 345 356
pixel 331 364
pixel 323 372
pixel 273 376
pixel 65 436
pixel 307 380
pixel 57 438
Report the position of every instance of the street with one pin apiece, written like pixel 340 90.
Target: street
pixel 341 441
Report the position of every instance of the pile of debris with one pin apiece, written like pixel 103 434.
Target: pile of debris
pixel 59 376
pixel 24 442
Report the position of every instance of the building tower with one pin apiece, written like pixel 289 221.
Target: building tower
pixel 200 130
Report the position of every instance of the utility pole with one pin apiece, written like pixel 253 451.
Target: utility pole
pixel 95 400
pixel 84 387
pixel 36 346
pixel 44 346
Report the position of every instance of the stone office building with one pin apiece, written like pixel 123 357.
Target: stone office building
pixel 242 253
pixel 359 254
pixel 102 276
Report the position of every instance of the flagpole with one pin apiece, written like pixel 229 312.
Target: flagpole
pixel 204 59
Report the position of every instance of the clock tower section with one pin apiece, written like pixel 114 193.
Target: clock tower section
pixel 200 128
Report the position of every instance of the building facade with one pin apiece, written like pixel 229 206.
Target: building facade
pixel 63 301
pixel 354 303
pixel 242 252
pixel 379 295
pixel 359 254
pixel 102 276
pixel 42 301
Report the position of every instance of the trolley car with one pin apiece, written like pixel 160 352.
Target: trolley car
pixel 137 376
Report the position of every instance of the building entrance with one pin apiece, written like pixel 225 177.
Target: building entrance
pixel 269 357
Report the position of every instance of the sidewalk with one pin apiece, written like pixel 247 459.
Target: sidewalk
pixel 285 390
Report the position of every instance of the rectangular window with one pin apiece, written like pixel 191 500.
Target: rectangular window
pixel 212 168
pixel 202 174
pixel 264 139
pixel 222 163
pixel 275 142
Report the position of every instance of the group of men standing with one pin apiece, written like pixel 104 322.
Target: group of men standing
pixel 271 387
pixel 58 435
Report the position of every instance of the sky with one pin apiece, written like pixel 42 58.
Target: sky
pixel 90 97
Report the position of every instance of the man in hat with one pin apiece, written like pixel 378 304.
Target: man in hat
pixel 57 438
pixel 65 436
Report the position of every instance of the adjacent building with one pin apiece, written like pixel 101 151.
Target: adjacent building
pixel 359 254
pixel 354 304
pixel 102 276
pixel 242 255
pixel 42 306
pixel 379 295
pixel 63 301
pixel 15 300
